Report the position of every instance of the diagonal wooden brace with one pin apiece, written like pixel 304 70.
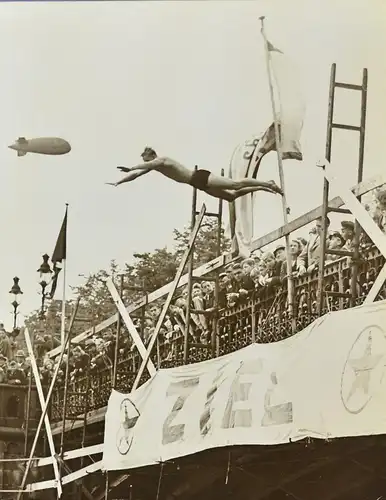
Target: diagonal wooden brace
pixel 43 403
pixel 364 219
pixel 129 324
pixel 356 208
pixel 165 308
pixel 377 285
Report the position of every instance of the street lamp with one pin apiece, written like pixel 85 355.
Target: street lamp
pixel 44 280
pixel 16 292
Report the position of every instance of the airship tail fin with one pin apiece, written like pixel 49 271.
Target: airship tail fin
pixel 21 153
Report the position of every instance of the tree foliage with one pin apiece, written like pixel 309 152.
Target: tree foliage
pixel 148 272
pixel 205 247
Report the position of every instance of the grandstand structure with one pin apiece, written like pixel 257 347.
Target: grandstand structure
pixel 338 470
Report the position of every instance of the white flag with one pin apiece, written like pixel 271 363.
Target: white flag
pixel 289 102
pixel 247 157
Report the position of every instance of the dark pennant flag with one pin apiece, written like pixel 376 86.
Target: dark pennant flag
pixel 59 254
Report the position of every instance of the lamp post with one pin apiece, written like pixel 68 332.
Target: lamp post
pixel 44 280
pixel 16 292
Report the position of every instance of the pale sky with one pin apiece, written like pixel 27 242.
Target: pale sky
pixel 187 78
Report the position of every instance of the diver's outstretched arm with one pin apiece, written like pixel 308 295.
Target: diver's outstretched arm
pixel 148 165
pixel 130 177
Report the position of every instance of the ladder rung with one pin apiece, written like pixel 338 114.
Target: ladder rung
pixel 199 346
pixel 348 86
pixel 339 210
pixel 202 278
pixel 342 253
pixel 210 214
pixel 339 294
pixel 200 311
pixel 346 127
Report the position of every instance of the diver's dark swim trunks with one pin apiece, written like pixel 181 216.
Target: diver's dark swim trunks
pixel 200 179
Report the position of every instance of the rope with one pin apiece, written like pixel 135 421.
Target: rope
pixel 159 481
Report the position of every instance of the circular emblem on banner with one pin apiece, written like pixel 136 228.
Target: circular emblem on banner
pixel 128 416
pixel 364 369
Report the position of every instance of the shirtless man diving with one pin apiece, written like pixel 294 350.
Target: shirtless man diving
pixel 214 185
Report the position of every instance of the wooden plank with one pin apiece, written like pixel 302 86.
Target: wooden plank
pixel 74 476
pixel 85 491
pixel 43 404
pixel 173 288
pixel 72 454
pixel 359 190
pixel 130 325
pixel 41 485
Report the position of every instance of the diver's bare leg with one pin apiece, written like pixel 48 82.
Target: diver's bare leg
pixel 218 182
pixel 247 190
pixel 231 195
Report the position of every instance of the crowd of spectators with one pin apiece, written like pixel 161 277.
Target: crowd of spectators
pixel 267 270
pixel 260 272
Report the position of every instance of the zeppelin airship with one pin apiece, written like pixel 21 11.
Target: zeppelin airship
pixel 41 145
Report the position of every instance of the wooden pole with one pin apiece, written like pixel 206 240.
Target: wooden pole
pixel 215 324
pixel 117 336
pixel 190 281
pixel 357 230
pixel 63 318
pixel 65 398
pixel 47 424
pixel 45 406
pixel 323 235
pixel 279 152
pixel 28 409
pixel 165 308
pixel 129 324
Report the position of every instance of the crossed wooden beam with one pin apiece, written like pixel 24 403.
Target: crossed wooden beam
pixel 364 219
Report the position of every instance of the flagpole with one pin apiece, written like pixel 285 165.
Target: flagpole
pixel 63 322
pixel 290 283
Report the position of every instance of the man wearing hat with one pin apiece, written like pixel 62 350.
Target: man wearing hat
pixel 20 360
pixel 15 375
pixel 348 233
pixel 271 277
pixel 246 282
pixel 336 242
pixel 280 257
pixel 223 285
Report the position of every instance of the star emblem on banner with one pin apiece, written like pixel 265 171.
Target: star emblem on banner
pixel 129 415
pixel 364 369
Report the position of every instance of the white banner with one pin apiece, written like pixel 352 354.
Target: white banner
pixel 327 381
pixel 244 160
